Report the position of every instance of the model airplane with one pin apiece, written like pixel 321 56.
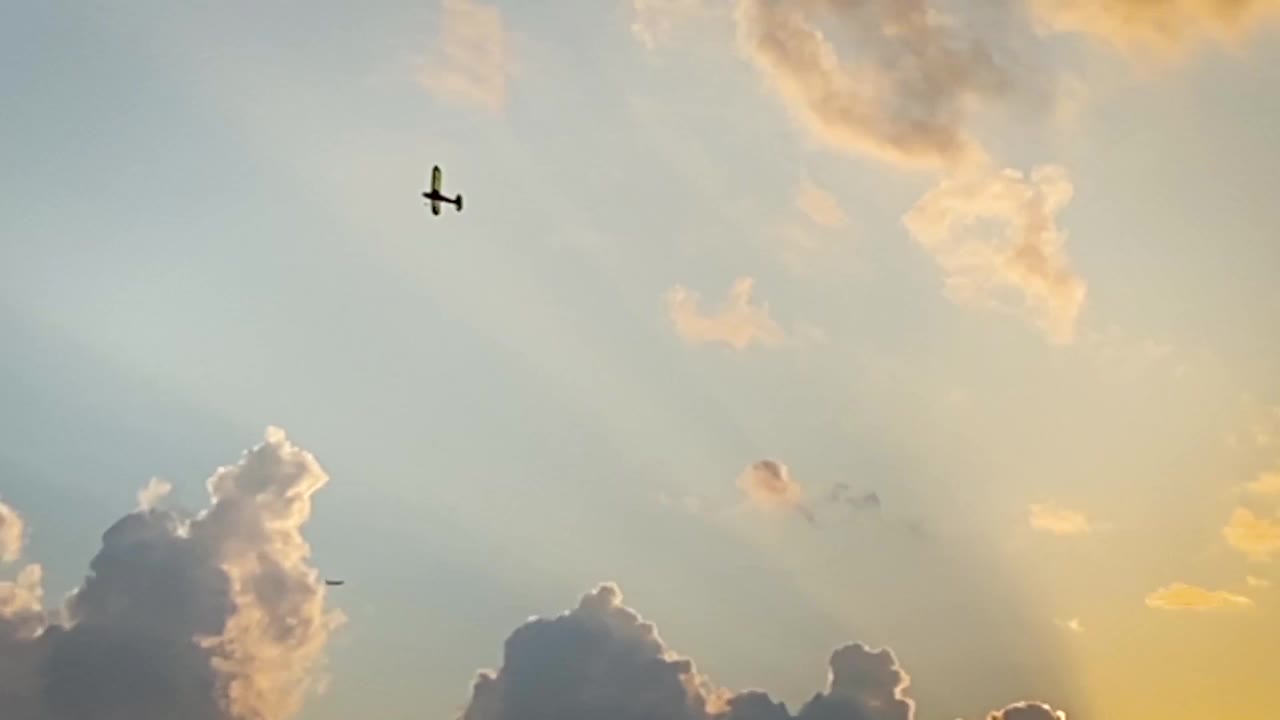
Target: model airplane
pixel 436 197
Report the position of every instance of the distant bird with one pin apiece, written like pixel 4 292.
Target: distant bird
pixel 335 583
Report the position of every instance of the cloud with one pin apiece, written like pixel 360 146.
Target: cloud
pixel 602 661
pixel 1163 27
pixel 1268 483
pixel 1073 625
pixel 151 495
pixel 1057 520
pixel 820 206
pixel 738 323
pixel 1028 711
pixel 653 21
pixel 212 616
pixel 996 233
pixel 22 613
pixel 768 485
pixel 906 96
pixel 1180 596
pixel 472 62
pixel 12 534
pixel 1256 537
pixel 1257 582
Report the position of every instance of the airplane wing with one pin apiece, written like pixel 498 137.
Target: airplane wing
pixel 435 206
pixel 436 178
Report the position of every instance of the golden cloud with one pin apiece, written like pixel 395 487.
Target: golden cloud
pixel 1181 596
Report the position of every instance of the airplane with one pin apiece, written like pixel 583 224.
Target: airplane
pixel 436 197
pixel 335 583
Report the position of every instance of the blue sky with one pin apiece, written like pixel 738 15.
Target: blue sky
pixel 209 224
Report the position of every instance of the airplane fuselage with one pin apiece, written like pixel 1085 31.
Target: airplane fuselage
pixel 439 197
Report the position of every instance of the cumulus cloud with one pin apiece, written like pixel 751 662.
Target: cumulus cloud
pixel 1057 520
pixel 996 233
pixel 1028 711
pixel 906 96
pixel 12 534
pixel 738 323
pixel 768 484
pixel 472 60
pixel 602 661
pixel 1165 27
pixel 820 206
pixel 1180 596
pixel 211 616
pixel 1257 537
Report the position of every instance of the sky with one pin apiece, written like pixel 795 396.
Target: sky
pixel 899 359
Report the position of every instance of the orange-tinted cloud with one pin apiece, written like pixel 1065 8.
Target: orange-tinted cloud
pixel 820 206
pixel 472 60
pixel 12 534
pixel 1257 537
pixel 738 323
pixel 904 93
pixel 1268 483
pixel 1165 27
pixel 1181 596
pixel 768 484
pixel 995 234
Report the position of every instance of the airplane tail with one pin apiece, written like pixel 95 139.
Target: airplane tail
pixel 459 202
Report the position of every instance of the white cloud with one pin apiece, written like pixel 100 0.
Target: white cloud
pixel 1057 520
pixel 472 61
pixel 1257 537
pixel 738 323
pixel 996 233
pixel 906 92
pixel 12 534
pixel 154 493
pixel 212 616
pixel 1257 582
pixel 1181 596
pixel 820 206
